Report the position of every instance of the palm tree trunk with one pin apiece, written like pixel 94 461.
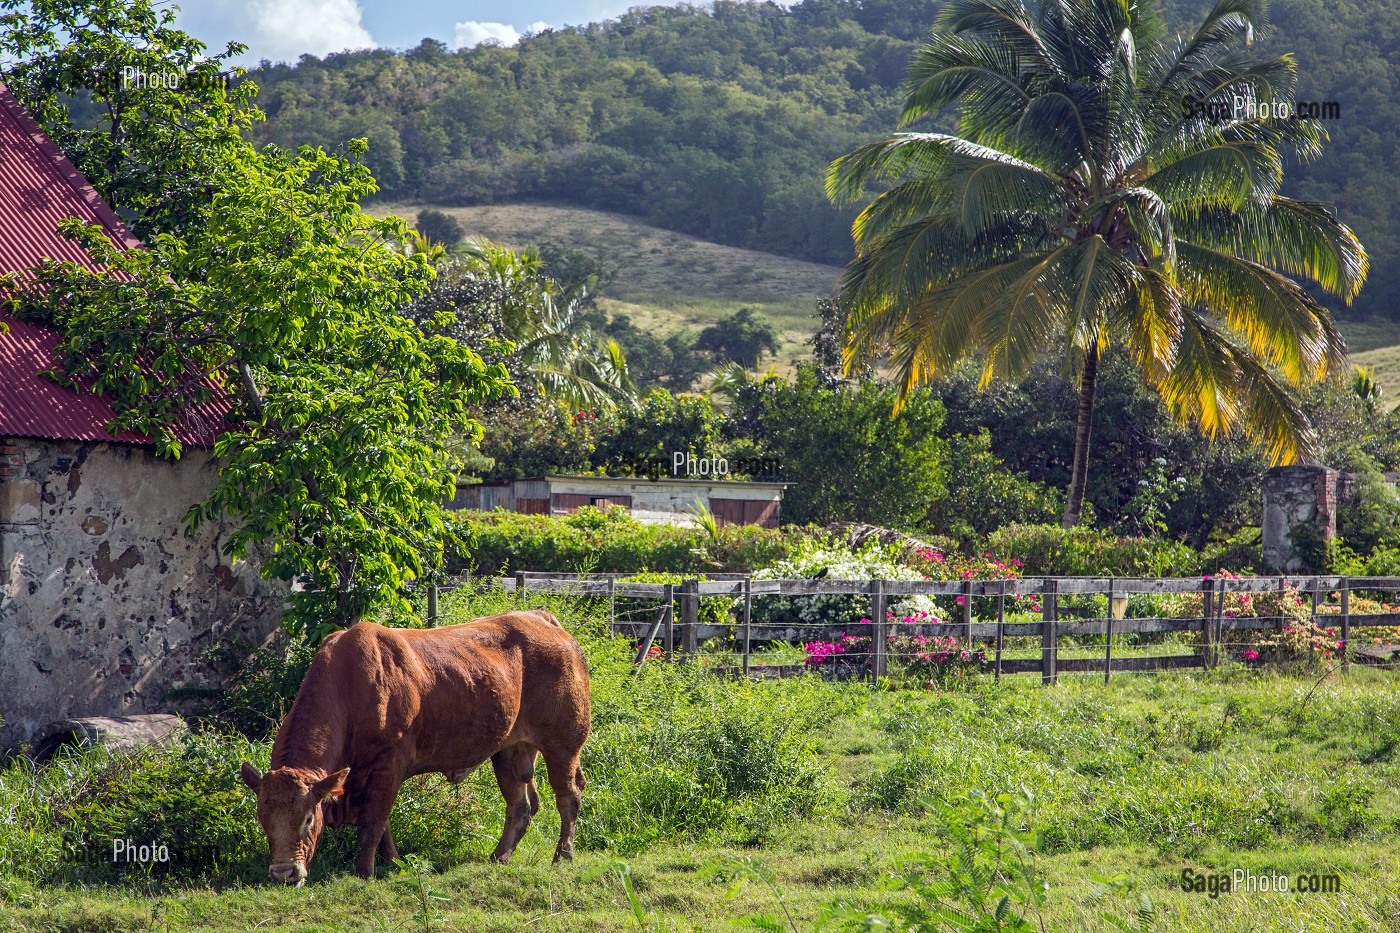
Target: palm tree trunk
pixel 1079 475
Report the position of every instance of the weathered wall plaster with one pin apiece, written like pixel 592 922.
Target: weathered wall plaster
pixel 107 602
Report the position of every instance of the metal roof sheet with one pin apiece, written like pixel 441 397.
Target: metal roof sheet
pixel 38 188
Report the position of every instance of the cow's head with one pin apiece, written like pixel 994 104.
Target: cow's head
pixel 289 810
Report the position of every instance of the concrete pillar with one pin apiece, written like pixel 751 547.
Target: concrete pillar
pixel 1300 517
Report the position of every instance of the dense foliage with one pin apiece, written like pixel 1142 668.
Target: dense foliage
pixel 718 121
pixel 263 285
pixel 850 455
pixel 591 541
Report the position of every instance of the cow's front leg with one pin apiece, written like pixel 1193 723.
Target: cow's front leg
pixel 373 824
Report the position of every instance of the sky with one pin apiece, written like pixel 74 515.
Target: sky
pixel 283 30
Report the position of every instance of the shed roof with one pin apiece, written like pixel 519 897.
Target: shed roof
pixel 38 188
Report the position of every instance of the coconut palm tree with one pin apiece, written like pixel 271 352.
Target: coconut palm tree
pixel 551 328
pixel 1105 184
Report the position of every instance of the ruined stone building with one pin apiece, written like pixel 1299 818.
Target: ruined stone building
pixel 106 601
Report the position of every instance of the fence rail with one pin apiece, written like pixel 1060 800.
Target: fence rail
pixel 675 615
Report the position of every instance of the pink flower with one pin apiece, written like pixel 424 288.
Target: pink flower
pixel 1251 655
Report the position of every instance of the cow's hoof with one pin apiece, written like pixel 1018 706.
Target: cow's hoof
pixel 563 855
pixel 501 858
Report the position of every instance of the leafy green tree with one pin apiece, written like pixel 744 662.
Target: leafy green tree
pixel 661 425
pixel 541 439
pixel 984 495
pixel 742 337
pixel 440 227
pixel 1101 189
pixel 155 152
pixel 669 362
pixel 272 289
pixel 848 454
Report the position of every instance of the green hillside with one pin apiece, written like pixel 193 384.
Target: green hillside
pixel 665 281
pixel 668 281
pixel 719 121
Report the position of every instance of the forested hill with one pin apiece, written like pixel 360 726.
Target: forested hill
pixel 720 121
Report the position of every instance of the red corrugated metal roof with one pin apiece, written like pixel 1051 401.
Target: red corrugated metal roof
pixel 38 188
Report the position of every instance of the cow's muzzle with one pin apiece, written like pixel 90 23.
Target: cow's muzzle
pixel 288 872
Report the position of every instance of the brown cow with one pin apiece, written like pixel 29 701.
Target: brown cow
pixel 380 705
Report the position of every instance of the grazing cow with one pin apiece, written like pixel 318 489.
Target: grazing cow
pixel 380 705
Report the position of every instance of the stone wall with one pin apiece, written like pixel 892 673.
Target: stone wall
pixel 1300 515
pixel 107 601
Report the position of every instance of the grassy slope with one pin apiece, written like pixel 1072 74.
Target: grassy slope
pixel 666 281
pixel 1376 345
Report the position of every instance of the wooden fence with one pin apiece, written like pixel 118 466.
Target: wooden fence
pixel 675 616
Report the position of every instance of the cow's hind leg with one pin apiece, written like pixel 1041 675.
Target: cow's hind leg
pixel 515 776
pixel 566 777
pixel 386 846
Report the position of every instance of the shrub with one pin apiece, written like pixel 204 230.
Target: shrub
pixel 440 227
pixel 1055 551
pixel 502 542
pixel 813 557
pixel 919 660
pixel 714 610
pixel 261 684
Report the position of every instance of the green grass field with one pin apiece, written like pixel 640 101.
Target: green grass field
pixel 831 788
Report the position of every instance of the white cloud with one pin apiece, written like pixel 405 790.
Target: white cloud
pixel 472 33
pixel 292 27
pixel 534 28
pixel 281 30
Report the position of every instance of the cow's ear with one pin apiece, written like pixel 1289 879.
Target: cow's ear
pixel 332 785
pixel 250 776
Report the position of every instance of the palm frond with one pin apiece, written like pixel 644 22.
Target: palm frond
pixel 1279 321
pixel 1298 238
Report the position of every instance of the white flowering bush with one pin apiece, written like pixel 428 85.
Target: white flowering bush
pixel 872 562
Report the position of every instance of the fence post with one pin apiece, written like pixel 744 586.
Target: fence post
pixel 1346 623
pixel 644 648
pixel 1049 634
pixel 879 626
pixel 668 628
pixel 1108 636
pixel 520 586
pixel 432 606
pixel 690 617
pixel 1207 613
pixel 612 605
pixel 1001 621
pixel 748 604
pixel 1316 584
pixel 967 614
